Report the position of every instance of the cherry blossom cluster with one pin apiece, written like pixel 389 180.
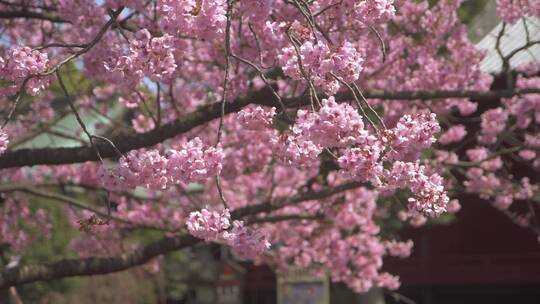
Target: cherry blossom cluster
pixel 247 142
pixel 4 141
pixel 256 118
pixel 142 124
pixel 246 243
pixel 429 196
pixel 85 15
pixel 511 10
pixel 493 123
pixel 481 182
pixel 347 246
pixel 145 168
pixel 526 109
pixel 295 150
pixel 484 181
pixel 15 212
pixel 399 249
pixel 198 18
pixel 148 57
pixel 158 214
pixel 412 135
pixel 372 11
pixel 21 63
pixel 501 192
pixel 193 163
pixel 208 225
pixel 333 125
pixel 363 162
pixel 213 226
pixel 319 62
pixel 481 156
pixel 454 134
pixel 414 218
pixel 487 178
pixel 367 11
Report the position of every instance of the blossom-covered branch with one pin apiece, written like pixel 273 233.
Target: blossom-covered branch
pixel 91 266
pixel 126 143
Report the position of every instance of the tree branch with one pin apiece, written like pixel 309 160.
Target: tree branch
pixel 23 14
pixel 91 266
pixel 126 143
pixel 74 203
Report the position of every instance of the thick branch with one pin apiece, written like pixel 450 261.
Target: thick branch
pixel 286 217
pixel 91 266
pixel 56 156
pixel 23 14
pixel 72 202
pixel 478 96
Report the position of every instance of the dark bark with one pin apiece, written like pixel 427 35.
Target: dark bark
pixel 125 143
pixel 92 266
pixel 102 265
pixel 29 15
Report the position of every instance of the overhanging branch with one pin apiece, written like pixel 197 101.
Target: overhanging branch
pixel 125 143
pixel 93 266
pixel 23 14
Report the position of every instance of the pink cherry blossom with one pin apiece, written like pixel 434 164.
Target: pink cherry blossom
pixel 333 125
pixel 321 61
pixel 21 63
pixel 399 249
pixel 363 162
pixel 207 224
pixel 4 141
pixel 148 168
pixel 429 195
pixel 194 162
pixel 256 118
pixel 246 243
pixel 511 10
pixel 453 134
pixel 493 123
pixel 527 154
pixel 142 124
pixel 453 206
pixel 411 135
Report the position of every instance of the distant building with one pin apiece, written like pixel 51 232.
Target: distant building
pixel 514 37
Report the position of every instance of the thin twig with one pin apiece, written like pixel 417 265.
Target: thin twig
pixel 381 41
pixel 224 94
pixel 381 121
pixel 53 70
pixel 227 65
pixel 158 104
pixel 257 44
pixel 77 116
pixel 120 154
pixel 356 100
pixel 301 67
pixel 265 80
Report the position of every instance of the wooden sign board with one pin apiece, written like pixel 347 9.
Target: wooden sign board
pixel 230 284
pixel 301 286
